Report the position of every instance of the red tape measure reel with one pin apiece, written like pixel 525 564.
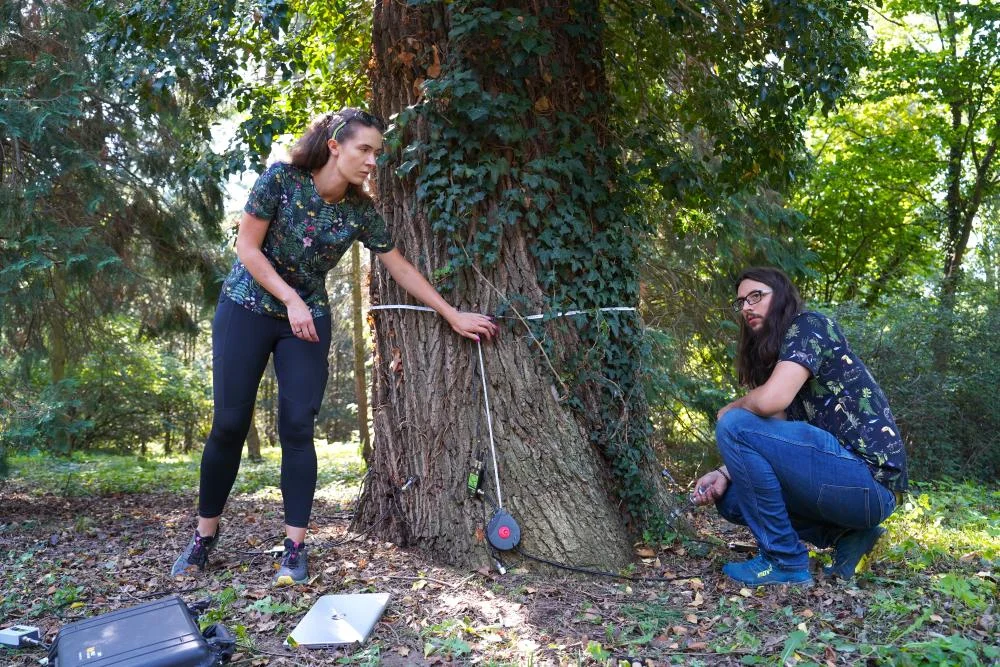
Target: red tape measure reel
pixel 502 531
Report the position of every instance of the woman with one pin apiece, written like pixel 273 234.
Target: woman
pixel 299 220
pixel 812 451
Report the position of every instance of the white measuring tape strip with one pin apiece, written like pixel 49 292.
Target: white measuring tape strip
pixel 568 313
pixel 489 424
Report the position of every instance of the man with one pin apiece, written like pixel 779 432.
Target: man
pixel 811 451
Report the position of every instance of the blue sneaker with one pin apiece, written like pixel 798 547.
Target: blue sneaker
pixel 760 571
pixel 851 551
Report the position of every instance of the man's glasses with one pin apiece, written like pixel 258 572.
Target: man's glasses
pixel 753 298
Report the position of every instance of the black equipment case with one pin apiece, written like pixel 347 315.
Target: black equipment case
pixel 162 633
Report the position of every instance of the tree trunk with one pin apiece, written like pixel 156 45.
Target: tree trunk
pixel 268 392
pixel 962 210
pixel 360 381
pixel 253 440
pixel 427 404
pixel 58 348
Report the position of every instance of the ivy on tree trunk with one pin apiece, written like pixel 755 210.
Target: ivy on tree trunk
pixel 504 186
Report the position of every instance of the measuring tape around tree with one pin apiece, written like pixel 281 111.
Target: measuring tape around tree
pixel 502 530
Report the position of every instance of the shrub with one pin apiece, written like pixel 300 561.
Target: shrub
pixel 129 393
pixel 948 413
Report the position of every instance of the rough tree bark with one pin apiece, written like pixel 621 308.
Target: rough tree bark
pixel 426 402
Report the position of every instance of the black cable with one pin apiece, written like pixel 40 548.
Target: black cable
pixel 35 642
pixel 355 537
pixel 583 570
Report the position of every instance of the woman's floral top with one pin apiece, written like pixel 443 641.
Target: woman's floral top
pixel 306 238
pixel 843 398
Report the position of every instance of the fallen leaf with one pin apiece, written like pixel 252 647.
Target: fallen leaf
pixel 745 592
pixel 697 646
pixel 542 104
pixel 643 551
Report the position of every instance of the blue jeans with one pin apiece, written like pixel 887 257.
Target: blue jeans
pixel 794 482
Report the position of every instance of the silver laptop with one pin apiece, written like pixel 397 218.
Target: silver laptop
pixel 336 620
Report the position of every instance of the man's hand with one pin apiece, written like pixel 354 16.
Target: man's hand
pixel 709 488
pixel 738 403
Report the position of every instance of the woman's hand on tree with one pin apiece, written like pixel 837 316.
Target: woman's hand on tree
pixel 474 325
pixel 709 488
pixel 301 320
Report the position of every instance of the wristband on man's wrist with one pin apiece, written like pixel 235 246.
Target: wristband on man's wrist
pixel 728 478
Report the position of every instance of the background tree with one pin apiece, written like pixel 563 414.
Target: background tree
pixel 111 191
pixel 715 96
pixel 869 205
pixel 946 62
pixel 113 188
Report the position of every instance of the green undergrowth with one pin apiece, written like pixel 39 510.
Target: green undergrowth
pixel 929 599
pixel 99 474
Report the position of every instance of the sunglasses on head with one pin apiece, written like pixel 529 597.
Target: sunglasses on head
pixel 347 116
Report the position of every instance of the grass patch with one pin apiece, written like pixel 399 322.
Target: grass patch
pixel 944 522
pixel 85 474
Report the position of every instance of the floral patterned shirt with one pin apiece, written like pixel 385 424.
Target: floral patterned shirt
pixel 306 238
pixel 843 398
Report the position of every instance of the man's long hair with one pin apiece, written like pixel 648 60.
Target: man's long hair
pixel 757 352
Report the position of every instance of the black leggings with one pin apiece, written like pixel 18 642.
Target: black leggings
pixel 242 341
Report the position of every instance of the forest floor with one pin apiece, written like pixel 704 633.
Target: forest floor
pixel 88 535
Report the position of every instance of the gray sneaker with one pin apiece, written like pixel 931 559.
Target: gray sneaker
pixel 294 568
pixel 195 556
